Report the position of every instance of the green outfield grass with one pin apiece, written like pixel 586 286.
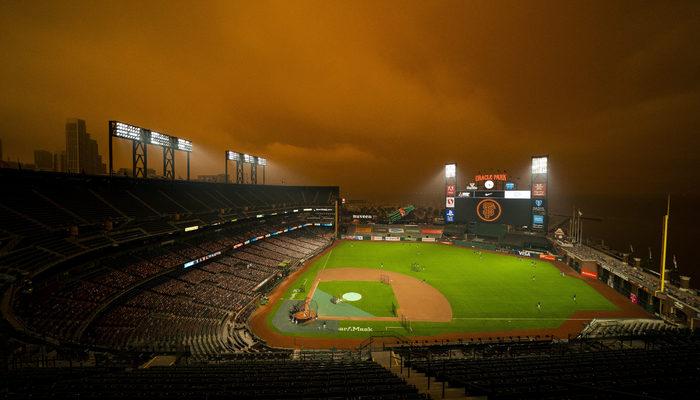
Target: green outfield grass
pixel 377 298
pixel 488 292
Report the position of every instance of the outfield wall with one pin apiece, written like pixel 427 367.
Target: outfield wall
pixel 387 238
pixel 475 245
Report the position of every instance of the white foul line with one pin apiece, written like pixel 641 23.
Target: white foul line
pixel 522 319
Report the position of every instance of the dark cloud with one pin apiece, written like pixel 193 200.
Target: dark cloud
pixel 373 96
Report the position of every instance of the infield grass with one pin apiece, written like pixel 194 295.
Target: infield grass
pixel 377 298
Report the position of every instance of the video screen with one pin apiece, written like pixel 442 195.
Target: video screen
pixel 495 210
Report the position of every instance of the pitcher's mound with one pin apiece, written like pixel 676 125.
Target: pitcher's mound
pixel 352 296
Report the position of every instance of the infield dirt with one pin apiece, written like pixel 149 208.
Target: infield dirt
pixel 418 301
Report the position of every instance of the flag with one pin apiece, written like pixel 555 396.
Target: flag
pixel 650 253
pixel 675 264
pixel 631 249
pixel 580 213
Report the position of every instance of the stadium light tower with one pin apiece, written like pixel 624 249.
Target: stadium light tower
pixel 240 159
pixel 539 180
pixel 263 163
pixel 140 139
pixel 232 156
pixel 450 191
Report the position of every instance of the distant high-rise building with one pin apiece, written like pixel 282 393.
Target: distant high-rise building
pixel 43 160
pixel 81 151
pixel 75 129
pixel 62 163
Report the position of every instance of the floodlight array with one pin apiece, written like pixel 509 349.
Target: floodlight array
pixel 132 132
pixel 160 139
pixel 184 145
pixel 450 170
pixel 127 131
pixel 539 165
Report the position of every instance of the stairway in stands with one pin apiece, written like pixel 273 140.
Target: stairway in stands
pixel 428 386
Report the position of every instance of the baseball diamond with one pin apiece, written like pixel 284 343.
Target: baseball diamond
pixel 460 292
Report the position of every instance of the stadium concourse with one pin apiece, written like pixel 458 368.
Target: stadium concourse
pixel 104 274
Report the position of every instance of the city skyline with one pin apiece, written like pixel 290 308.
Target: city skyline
pixel 377 97
pixel 342 91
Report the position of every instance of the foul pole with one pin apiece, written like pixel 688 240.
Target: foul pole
pixel 663 245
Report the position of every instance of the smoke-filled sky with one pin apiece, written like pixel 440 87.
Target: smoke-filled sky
pixel 373 96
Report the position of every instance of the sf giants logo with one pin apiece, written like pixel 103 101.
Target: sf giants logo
pixel 488 210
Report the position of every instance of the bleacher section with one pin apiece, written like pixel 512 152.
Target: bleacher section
pixel 625 327
pixel 259 379
pixel 663 365
pixel 177 309
pixel 46 218
pixel 610 269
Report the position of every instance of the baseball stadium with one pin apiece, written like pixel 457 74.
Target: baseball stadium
pixel 217 282
pixel 349 199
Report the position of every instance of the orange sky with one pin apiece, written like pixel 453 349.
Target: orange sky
pixel 373 96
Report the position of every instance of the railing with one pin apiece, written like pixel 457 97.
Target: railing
pixel 368 345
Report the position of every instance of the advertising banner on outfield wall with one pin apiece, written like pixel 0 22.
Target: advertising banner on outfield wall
pixel 392 238
pixel 428 239
pixel 431 231
pixel 395 230
pixel 377 238
pixel 352 237
pixel 527 253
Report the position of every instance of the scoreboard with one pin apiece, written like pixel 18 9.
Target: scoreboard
pixel 511 207
pixel 493 199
